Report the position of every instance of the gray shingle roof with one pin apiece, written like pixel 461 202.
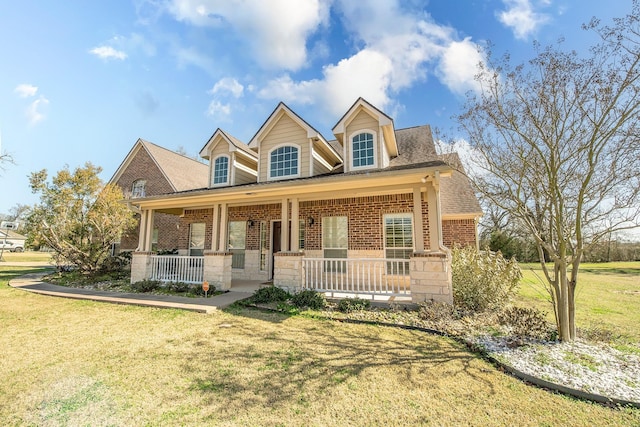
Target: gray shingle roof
pixel 181 171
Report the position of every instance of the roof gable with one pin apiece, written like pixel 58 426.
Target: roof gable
pixel 385 122
pixel 170 164
pixel 234 144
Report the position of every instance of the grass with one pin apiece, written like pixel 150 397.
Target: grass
pixel 68 362
pixel 607 300
pixel 27 256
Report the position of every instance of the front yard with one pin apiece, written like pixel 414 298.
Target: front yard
pixel 83 363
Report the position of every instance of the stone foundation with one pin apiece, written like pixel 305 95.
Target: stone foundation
pixel 140 266
pixel 431 277
pixel 217 269
pixel 288 271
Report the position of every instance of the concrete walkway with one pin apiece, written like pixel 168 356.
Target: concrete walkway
pixel 33 283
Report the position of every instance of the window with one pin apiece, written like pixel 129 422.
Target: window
pixel 196 239
pixel 335 241
pixel 137 189
pixel 362 150
pixel 301 234
pixel 283 162
pixel 398 241
pixel 154 240
pixel 237 238
pixel 220 171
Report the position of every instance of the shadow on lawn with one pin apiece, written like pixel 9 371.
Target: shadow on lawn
pixel 276 366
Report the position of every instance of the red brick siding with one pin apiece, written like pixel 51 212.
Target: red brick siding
pixel 365 221
pixel 142 166
pixel 168 233
pixel 459 231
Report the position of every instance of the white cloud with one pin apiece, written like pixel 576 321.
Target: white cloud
pixel 393 58
pixel 35 111
pixel 228 85
pixel 26 90
pixel 107 52
pixel 459 65
pixel 521 17
pixel 219 110
pixel 191 56
pixel 276 30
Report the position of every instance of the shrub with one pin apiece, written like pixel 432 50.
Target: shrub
pixel 526 323
pixel 178 287
pixel 434 311
pixel 270 294
pixel 146 285
pixel 309 299
pixel 483 280
pixel 348 305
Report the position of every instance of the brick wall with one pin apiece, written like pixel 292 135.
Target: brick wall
pixel 142 166
pixel 459 231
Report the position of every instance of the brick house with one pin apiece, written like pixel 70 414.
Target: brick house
pixel 150 170
pixel 370 212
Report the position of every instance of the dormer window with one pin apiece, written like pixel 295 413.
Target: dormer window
pixel 138 188
pixel 363 150
pixel 220 174
pixel 284 162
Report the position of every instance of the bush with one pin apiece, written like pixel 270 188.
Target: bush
pixel 526 323
pixel 179 287
pixel 433 311
pixel 309 299
pixel 270 294
pixel 146 285
pixel 348 305
pixel 483 280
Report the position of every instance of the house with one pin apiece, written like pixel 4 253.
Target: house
pixel 11 241
pixel 369 212
pixel 150 170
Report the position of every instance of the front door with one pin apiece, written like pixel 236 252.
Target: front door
pixel 276 242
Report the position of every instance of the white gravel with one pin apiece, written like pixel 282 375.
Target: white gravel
pixel 593 368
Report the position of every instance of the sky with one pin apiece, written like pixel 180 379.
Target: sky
pixel 82 81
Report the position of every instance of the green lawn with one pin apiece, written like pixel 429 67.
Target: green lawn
pixel 27 256
pixel 607 298
pixel 69 362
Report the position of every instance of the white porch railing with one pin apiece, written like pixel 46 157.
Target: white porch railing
pixel 174 268
pixel 373 276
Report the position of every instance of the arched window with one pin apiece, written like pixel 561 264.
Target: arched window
pixel 138 188
pixel 284 161
pixel 220 170
pixel 362 150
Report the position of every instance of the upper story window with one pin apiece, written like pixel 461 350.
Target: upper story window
pixel 220 171
pixel 362 150
pixel 138 188
pixel 284 162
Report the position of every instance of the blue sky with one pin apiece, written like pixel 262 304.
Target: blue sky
pixel 81 81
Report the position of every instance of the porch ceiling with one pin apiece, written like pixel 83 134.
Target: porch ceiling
pixel 318 188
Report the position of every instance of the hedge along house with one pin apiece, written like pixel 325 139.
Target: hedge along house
pixel 371 212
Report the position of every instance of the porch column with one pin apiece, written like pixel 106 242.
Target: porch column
pixel 215 227
pixel 418 233
pixel 146 230
pixel 295 226
pixel 223 239
pixel 284 229
pixel 435 214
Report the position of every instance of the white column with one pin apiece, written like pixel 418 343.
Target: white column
pixel 435 214
pixel 147 232
pixel 223 238
pixel 141 230
pixel 418 235
pixel 284 229
pixel 215 227
pixel 295 226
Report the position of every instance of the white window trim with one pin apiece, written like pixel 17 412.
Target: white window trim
pixel 213 170
pixel 135 194
pixel 277 178
pixel 384 231
pixel 204 237
pixel 374 134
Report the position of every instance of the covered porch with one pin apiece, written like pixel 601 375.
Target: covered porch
pixel 363 258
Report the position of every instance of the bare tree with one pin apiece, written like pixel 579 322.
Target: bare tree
pixel 559 148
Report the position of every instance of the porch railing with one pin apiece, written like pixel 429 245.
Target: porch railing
pixel 373 276
pixel 174 268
